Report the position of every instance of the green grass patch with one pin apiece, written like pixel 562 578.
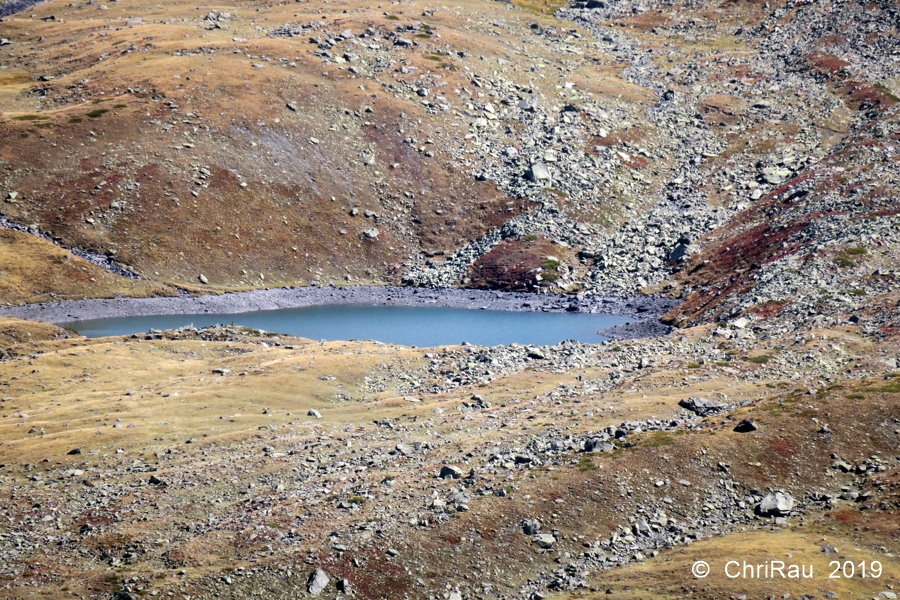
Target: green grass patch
pixel 759 360
pixel 76 120
pixel 857 292
pixel 22 136
pixel 530 237
pixel 357 500
pixel 556 192
pixel 887 92
pixel 856 397
pixel 97 113
pixel 549 276
pixel 392 18
pixel 43 125
pixel 120 106
pixel 658 439
pixel 856 251
pixel 424 36
pixel 32 118
pixel 693 365
pixel 99 100
pixel 586 464
pixel 550 264
pixel 843 260
pixel 775 409
pixel 891 388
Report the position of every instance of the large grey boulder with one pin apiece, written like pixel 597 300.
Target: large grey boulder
pixel 538 173
pixel 450 472
pixel 778 504
pixel 702 407
pixel 531 526
pixel 317 582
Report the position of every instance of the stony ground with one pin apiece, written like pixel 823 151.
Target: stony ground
pixel 218 463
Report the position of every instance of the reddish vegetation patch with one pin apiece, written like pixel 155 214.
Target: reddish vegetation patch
pixel 890 330
pixel 869 96
pixel 635 162
pixel 769 309
pixel 728 263
pixel 783 447
pixel 845 516
pixel 826 64
pixel 380 579
pixel 831 40
pixel 635 135
pixel 793 183
pixel 513 264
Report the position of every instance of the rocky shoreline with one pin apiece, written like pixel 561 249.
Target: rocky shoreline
pixel 646 310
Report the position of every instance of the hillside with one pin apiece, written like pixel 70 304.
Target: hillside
pixel 378 146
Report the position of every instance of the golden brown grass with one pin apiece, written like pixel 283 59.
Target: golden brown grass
pixel 34 270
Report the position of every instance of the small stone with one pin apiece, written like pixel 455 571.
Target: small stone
pixel 154 480
pixel 544 540
pixel 314 413
pixel 74 452
pixel 203 279
pixel 529 103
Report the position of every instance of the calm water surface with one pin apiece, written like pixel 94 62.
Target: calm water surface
pixel 411 326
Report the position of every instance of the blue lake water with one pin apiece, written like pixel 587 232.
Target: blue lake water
pixel 411 326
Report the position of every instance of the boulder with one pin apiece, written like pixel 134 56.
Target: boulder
pixel 746 426
pixel 538 173
pixel 317 582
pixel 702 407
pixel 531 526
pixel 778 504
pixel 450 472
pixel 597 445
